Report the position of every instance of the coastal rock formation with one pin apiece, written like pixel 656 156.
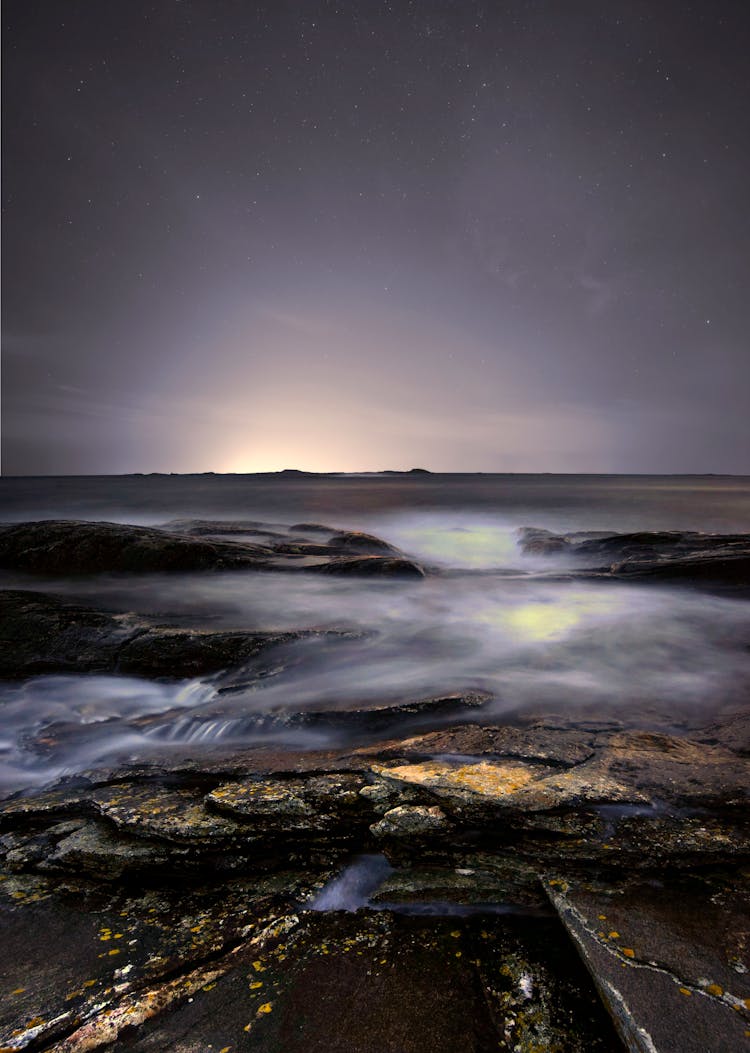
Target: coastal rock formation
pixel 40 633
pixel 670 555
pixel 70 547
pixel 205 898
pixel 63 547
pixel 605 826
pixel 639 800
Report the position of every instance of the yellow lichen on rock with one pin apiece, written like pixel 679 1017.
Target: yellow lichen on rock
pixel 485 778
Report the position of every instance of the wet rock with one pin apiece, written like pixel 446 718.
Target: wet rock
pixel 679 840
pixel 79 955
pixel 640 800
pixel 730 568
pixel 170 653
pixel 559 746
pixel 70 547
pixel 733 733
pixel 377 716
pixel 40 633
pixel 97 851
pixel 360 544
pixel 222 527
pixel 381 983
pixel 479 787
pixel 165 813
pixel 484 880
pixel 371 566
pixel 311 805
pixel 625 769
pixel 48 805
pixel 669 958
pixel 660 555
pixel 301 548
pixel 312 528
pixel 679 770
pixel 411 821
pixel 29 849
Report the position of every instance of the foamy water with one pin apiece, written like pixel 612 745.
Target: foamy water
pixel 489 619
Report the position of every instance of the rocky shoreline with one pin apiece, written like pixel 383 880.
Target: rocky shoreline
pixel 518 868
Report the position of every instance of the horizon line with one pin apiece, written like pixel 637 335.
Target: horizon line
pixel 412 472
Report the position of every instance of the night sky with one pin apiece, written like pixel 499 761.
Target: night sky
pixel 244 236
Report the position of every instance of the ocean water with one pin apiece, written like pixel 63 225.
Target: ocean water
pixel 543 644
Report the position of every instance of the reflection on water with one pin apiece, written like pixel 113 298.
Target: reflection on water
pixel 540 644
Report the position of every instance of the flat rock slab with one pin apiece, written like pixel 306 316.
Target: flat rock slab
pixel 73 950
pixel 670 960
pixel 381 983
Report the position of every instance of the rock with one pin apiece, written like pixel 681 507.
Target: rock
pixel 376 716
pixel 488 881
pixel 412 821
pixel 43 634
pixel 732 568
pixel 312 528
pixel 668 555
pixel 627 769
pixel 40 633
pixel 301 548
pixel 639 800
pixel 682 771
pixel 68 547
pixel 669 959
pixel 535 541
pixel 373 982
pixel 559 746
pixel 80 955
pixel 166 813
pixel 360 544
pixel 371 566
pixel 74 800
pixel 94 850
pixel 172 653
pixel 310 805
pixel 732 732
pixel 222 527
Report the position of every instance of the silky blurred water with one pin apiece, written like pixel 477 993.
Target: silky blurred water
pixel 489 618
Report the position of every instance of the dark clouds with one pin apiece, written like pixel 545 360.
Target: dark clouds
pixel 244 236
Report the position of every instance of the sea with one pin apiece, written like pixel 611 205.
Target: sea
pixel 544 644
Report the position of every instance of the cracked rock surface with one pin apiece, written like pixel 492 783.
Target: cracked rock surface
pixel 669 958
